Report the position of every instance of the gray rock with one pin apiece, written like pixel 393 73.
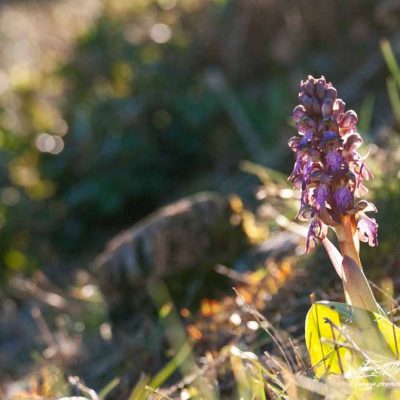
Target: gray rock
pixel 198 231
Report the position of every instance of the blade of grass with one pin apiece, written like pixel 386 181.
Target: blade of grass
pixel 107 389
pixel 139 392
pixel 367 107
pixel 263 173
pixel 394 97
pixel 177 338
pixel 268 328
pixel 390 60
pixel 171 366
pixel 239 371
pixel 261 379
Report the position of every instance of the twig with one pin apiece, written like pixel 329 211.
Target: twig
pixel 75 381
pixel 231 274
pixel 43 328
pixel 260 319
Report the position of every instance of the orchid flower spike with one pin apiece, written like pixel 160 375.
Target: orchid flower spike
pixel 329 171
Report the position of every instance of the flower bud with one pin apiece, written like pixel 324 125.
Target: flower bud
pixel 306 124
pixel 320 91
pixel 327 107
pixel 309 87
pixel 298 113
pixel 338 108
pixel 315 106
pixel 331 93
pixel 306 101
pixel 353 142
pixel 348 121
pixel 294 142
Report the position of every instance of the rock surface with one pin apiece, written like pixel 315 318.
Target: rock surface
pixel 193 233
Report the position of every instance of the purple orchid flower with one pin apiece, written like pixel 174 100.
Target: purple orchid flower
pixel 329 170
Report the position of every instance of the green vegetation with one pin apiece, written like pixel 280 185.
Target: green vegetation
pixel 110 109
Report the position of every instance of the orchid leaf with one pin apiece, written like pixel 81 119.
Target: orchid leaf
pixel 334 255
pixel 341 338
pixel 325 356
pixel 357 291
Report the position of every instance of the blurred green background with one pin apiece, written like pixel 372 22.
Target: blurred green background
pixel 111 108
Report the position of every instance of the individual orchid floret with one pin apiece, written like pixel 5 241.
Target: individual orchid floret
pixel 328 170
pixel 367 229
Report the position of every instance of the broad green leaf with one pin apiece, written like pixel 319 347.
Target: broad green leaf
pixel 391 334
pixel 325 356
pixel 341 338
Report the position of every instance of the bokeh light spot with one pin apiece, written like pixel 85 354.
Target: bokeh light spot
pixel 134 34
pixel 10 196
pixel 160 33
pixel 49 144
pixel 60 127
pixel 14 260
pixel 105 331
pixel 167 4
